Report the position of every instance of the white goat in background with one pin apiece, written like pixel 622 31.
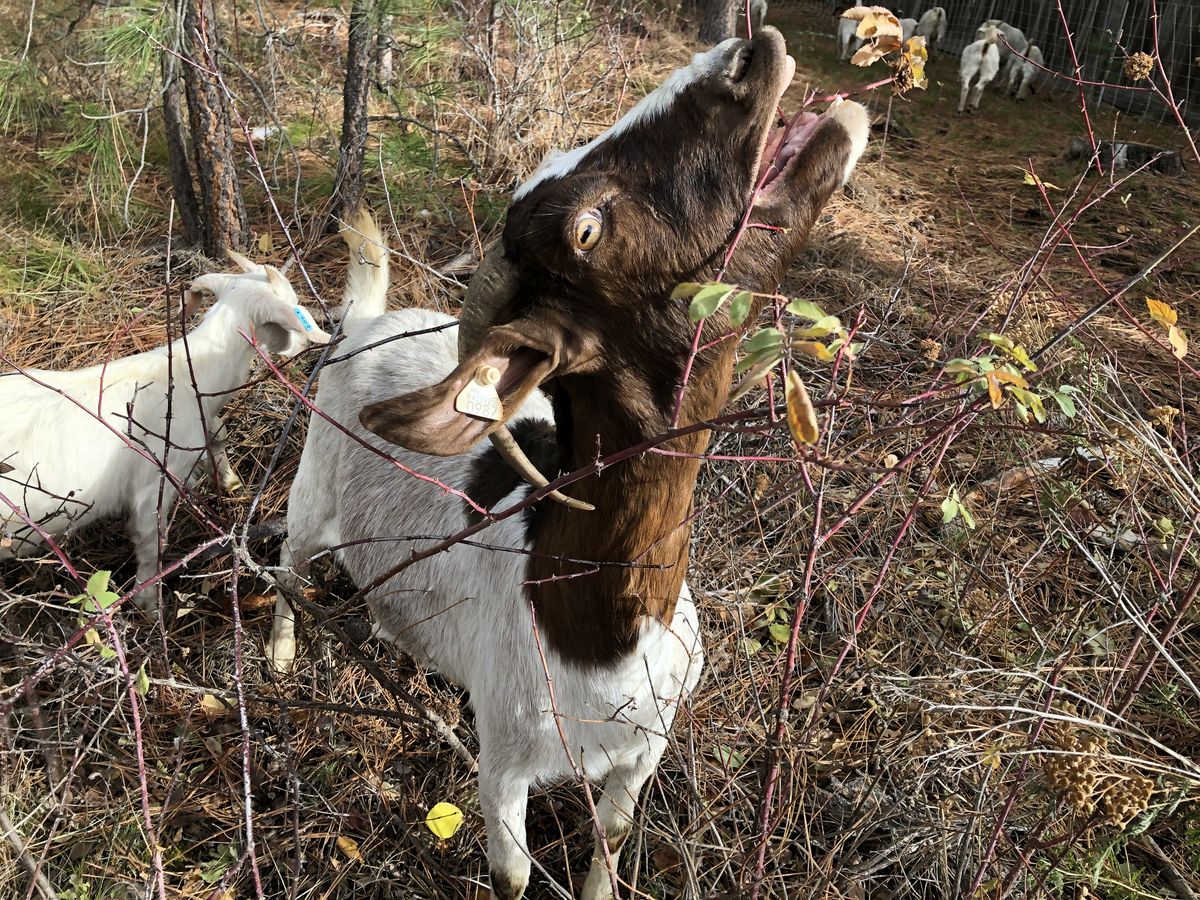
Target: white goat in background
pixel 932 27
pixel 1023 72
pixel 848 40
pixel 1009 39
pixel 105 440
pixel 908 27
pixel 980 62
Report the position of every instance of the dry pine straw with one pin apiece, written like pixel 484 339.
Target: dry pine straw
pixel 891 778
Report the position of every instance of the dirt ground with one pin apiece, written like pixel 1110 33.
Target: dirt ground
pixel 1001 701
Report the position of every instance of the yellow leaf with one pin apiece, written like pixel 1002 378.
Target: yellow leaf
pixel 1031 178
pixel 210 705
pixel 265 245
pixel 444 820
pixel 801 417
pixel 1122 229
pixel 1178 341
pixel 1005 376
pixel 994 392
pixel 349 847
pixel 1161 312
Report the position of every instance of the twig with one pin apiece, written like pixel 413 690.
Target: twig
pixel 18 844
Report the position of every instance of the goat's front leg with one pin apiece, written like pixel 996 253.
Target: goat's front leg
pixel 615 812
pixel 225 473
pixel 503 796
pixel 147 529
pixel 281 651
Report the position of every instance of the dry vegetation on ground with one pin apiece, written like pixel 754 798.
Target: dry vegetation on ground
pixel 1003 702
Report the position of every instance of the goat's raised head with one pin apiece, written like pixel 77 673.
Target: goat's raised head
pixel 264 295
pixel 578 291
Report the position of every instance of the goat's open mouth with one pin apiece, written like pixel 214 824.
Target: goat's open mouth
pixel 782 146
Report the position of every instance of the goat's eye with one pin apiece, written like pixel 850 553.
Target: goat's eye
pixel 587 230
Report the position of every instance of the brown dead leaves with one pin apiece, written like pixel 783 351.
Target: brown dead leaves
pixel 879 27
pixel 881 30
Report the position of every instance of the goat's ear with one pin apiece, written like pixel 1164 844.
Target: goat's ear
pixel 451 417
pixel 275 277
pixel 192 299
pixel 242 263
pixel 287 328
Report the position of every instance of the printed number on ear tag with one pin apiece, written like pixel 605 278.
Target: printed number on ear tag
pixel 305 319
pixel 479 397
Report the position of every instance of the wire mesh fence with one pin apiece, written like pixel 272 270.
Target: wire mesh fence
pixel 1101 35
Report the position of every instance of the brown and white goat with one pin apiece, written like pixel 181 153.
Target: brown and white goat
pixel 574 301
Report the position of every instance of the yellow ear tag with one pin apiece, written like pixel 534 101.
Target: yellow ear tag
pixel 479 397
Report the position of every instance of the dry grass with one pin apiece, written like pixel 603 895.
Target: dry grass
pixel 969 701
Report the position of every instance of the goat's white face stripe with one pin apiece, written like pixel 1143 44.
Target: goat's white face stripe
pixel 653 105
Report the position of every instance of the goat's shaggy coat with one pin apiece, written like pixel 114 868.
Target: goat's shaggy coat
pixel 604 590
pixel 98 442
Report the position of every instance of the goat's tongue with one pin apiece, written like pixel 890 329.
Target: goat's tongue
pixel 785 142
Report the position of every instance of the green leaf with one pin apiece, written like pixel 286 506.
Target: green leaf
pixel 708 300
pixel 98 583
pixel 764 338
pixel 949 510
pixel 767 585
pixel 143 680
pixel 739 307
pixel 780 633
pixel 107 652
pixel 685 289
pixel 966 515
pixel 764 359
pixel 821 328
pixel 751 647
pixel 1065 403
pixel 806 309
pixel 727 756
pixel 756 372
pixel 997 340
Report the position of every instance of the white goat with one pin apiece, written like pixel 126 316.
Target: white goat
pixel 980 61
pixel 105 440
pixel 1024 72
pixel 758 12
pixel 908 27
pixel 932 27
pixel 848 39
pixel 1010 36
pixel 574 633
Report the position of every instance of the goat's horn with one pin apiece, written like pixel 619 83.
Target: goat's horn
pixel 511 452
pixel 491 287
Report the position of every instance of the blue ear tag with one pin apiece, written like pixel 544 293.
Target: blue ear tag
pixel 304 317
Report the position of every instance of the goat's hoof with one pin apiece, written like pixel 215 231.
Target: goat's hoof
pixel 281 655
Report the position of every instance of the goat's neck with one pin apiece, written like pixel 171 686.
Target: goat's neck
pixel 641 527
pixel 220 354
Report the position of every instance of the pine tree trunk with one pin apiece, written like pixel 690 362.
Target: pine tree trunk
pixel 347 182
pixel 177 153
pixel 718 21
pixel 212 136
